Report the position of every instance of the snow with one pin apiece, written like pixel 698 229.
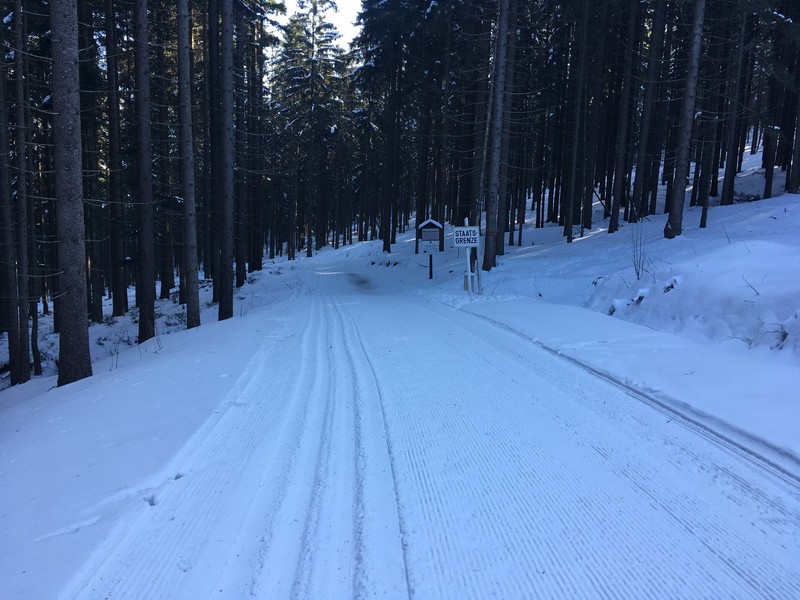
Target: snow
pixel 360 430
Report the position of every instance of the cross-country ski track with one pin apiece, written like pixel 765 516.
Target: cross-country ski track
pixel 383 445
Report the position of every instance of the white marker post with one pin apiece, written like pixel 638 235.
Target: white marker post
pixel 468 237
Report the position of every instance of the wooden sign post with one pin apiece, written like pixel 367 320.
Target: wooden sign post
pixel 431 231
pixel 469 237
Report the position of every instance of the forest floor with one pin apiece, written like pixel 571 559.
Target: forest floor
pixel 359 430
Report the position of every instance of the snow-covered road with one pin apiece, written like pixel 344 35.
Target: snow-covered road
pixel 378 444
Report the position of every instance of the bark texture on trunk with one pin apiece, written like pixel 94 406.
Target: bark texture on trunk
pixel 73 356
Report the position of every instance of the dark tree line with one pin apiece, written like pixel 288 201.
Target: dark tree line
pixel 603 102
pixel 210 138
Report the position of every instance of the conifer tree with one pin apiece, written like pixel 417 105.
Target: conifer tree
pixel 145 283
pixel 676 200
pixel 74 362
pixel 187 168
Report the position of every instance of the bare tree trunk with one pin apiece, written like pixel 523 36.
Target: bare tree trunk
pixel 620 172
pixel 443 152
pixel 119 288
pixel 793 181
pixel 36 285
pixel 638 204
pixel 731 155
pixel 74 361
pixel 23 263
pixel 505 140
pixel 674 225
pixel 494 134
pixel 9 320
pixel 575 191
pixel 191 292
pixel 146 278
pixel 770 143
pixel 213 72
pixel 241 172
pixel 707 150
pixel 311 151
pixel 594 124
pixel 226 246
pixel 258 194
pixel 391 177
pixel 90 125
pixel 793 176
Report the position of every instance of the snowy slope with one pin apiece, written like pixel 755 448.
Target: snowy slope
pixel 358 430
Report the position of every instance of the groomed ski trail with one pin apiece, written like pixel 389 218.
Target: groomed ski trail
pixel 379 445
pixel 301 445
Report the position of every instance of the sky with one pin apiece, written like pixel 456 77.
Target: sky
pixel 344 18
pixel 360 429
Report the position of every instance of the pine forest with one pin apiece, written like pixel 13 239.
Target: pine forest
pixel 166 145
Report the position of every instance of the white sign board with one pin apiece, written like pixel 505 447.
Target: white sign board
pixel 429 234
pixel 466 237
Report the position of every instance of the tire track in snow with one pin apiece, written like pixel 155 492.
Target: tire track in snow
pixel 276 492
pixel 310 535
pixel 423 450
pixel 290 491
pixel 716 435
pixel 152 553
pixel 380 525
pixel 778 488
pixel 328 540
pixel 422 467
pixel 684 509
pixel 587 538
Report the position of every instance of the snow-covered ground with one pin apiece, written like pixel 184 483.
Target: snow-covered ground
pixel 359 430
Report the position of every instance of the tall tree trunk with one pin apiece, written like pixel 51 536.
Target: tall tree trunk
pixel 654 58
pixel 74 361
pixel 674 225
pixel 424 139
pixel 23 246
pixel 719 130
pixel 471 190
pixel 226 246
pixel 145 283
pixel 494 132
pixel 594 125
pixel 707 150
pixel 731 154
pixel 241 172
pixel 505 139
pixel 793 180
pixel 90 124
pixel 770 149
pixel 443 171
pixel 793 176
pixel 119 288
pixel 191 293
pixel 9 320
pixel 35 285
pixel 391 179
pixel 257 191
pixel 575 191
pixel 213 75
pixel 162 222
pixel 620 170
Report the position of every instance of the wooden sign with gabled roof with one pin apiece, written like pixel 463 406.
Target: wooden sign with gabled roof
pixel 430 231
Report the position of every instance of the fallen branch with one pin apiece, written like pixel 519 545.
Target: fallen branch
pixel 751 285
